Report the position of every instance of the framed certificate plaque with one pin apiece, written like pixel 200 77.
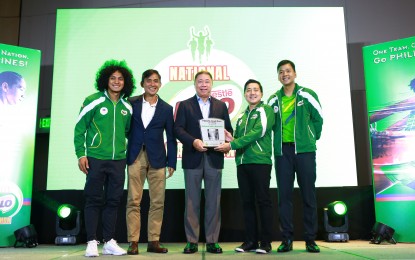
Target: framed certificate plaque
pixel 213 131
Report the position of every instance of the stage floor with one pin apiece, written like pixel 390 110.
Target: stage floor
pixel 356 249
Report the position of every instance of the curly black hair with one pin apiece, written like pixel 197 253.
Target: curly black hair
pixel 107 69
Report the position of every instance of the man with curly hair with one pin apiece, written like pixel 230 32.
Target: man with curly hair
pixel 100 145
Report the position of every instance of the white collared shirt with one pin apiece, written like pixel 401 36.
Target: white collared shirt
pixel 204 107
pixel 147 112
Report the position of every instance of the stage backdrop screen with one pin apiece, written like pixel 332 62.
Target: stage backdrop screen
pixel 234 44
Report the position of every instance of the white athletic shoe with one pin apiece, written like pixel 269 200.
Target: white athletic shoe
pixel 92 248
pixel 111 248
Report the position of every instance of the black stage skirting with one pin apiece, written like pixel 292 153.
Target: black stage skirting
pixel 358 199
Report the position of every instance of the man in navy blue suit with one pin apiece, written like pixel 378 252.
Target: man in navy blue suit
pixel 147 159
pixel 201 163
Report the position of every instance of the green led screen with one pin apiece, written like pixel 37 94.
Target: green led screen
pixel 235 44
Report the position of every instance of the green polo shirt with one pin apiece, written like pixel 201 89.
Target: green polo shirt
pixel 288 118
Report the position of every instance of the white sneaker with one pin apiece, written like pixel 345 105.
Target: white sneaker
pixel 111 248
pixel 92 248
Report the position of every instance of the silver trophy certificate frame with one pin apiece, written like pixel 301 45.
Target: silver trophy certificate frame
pixel 213 131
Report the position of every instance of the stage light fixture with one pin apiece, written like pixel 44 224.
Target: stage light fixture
pixel 382 232
pixel 68 225
pixel 26 237
pixel 336 222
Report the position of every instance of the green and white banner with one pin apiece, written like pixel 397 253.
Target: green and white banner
pixel 390 86
pixel 234 44
pixel 19 84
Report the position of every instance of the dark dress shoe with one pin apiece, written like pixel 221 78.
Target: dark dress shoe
pixel 213 248
pixel 133 248
pixel 247 247
pixel 190 248
pixel 156 247
pixel 312 247
pixel 286 245
pixel 264 248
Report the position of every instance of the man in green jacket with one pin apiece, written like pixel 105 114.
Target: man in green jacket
pixel 253 145
pixel 100 145
pixel 298 124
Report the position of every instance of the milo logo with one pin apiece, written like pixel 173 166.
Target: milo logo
pixel 7 202
pixel 11 201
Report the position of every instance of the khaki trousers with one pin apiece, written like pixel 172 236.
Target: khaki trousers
pixel 138 172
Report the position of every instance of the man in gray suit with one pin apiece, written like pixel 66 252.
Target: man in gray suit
pixel 201 163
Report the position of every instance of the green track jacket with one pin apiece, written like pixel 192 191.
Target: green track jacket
pixel 308 120
pixel 102 127
pixel 253 136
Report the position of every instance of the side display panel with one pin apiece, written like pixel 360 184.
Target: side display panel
pixel 19 84
pixel 390 87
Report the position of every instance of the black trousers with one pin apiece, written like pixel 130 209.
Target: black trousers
pixel 286 167
pixel 253 182
pixel 103 191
